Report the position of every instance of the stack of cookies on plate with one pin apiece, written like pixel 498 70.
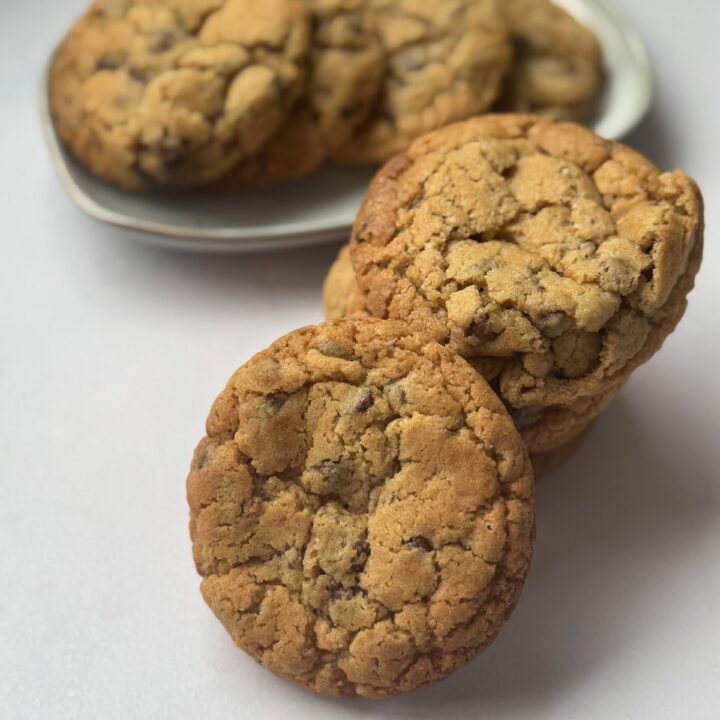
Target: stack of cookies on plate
pixel 361 508
pixel 254 93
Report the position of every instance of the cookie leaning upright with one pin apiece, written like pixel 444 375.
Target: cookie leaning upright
pixel 361 509
pixel 176 92
pixel 565 257
pixel 346 68
pixel 444 61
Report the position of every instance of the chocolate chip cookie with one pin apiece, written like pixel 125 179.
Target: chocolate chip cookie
pixel 177 92
pixel 565 258
pixel 361 509
pixel 346 70
pixel 444 62
pixel 557 62
pixel 551 433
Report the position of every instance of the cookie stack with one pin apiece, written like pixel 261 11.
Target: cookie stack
pixel 253 93
pixel 361 508
pixel 553 261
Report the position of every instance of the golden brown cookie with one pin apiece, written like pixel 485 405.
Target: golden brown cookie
pixel 557 62
pixel 176 92
pixel 444 62
pixel 550 433
pixel 361 509
pixel 566 258
pixel 341 294
pixel 346 70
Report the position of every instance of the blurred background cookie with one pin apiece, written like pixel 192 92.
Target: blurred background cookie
pixel 444 61
pixel 557 62
pixel 564 258
pixel 177 92
pixel 346 68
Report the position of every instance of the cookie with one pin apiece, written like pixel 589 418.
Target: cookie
pixel 557 62
pixel 361 509
pixel 565 258
pixel 341 294
pixel 346 69
pixel 177 92
pixel 444 62
pixel 548 432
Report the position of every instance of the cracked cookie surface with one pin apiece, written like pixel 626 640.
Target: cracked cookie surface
pixel 176 92
pixel 444 62
pixel 346 67
pixel 566 258
pixel 549 433
pixel 361 509
pixel 557 62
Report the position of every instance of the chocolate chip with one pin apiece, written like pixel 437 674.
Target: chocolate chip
pixel 419 543
pixel 412 60
pixel 276 401
pixel 524 417
pixel 553 324
pixel 106 62
pixel 161 40
pixel 334 471
pixel 333 348
pixel 202 460
pixel 482 331
pixel 343 593
pixel 362 402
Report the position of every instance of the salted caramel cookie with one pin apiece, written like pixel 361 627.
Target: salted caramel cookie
pixel 177 92
pixel 444 61
pixel 557 62
pixel 341 294
pixel 565 258
pixel 346 69
pixel 360 510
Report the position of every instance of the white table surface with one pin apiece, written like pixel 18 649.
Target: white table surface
pixel 111 353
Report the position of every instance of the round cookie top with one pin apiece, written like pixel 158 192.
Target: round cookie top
pixel 361 509
pixel 176 92
pixel 444 62
pixel 534 242
pixel 346 68
pixel 557 62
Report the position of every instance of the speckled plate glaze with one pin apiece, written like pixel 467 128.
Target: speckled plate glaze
pixel 321 207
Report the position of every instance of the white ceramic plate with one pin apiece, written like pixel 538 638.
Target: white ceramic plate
pixel 321 207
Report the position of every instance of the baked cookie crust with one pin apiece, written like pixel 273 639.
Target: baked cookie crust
pixel 361 509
